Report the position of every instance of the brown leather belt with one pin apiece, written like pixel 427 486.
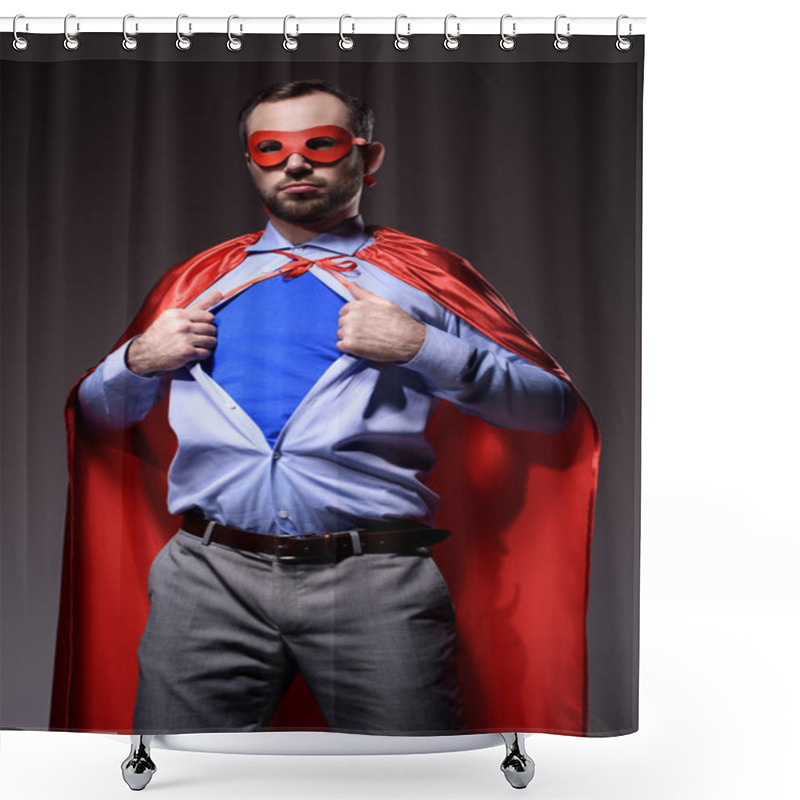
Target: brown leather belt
pixel 384 536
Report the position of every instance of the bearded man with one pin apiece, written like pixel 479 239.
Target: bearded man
pixel 301 366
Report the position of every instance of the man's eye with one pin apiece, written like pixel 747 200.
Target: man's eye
pixel 269 146
pixel 320 143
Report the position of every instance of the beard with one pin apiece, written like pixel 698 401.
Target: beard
pixel 318 207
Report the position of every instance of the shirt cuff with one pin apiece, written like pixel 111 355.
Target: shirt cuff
pixel 441 359
pixel 116 373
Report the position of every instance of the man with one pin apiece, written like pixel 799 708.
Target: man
pixel 301 368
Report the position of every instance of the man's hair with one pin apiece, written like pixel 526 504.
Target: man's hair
pixel 362 118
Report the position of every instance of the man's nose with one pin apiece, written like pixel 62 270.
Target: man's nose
pixel 295 162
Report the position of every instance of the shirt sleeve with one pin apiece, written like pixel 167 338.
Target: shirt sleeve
pixel 482 378
pixel 113 397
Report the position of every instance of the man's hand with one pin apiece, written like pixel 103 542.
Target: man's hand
pixel 374 328
pixel 178 336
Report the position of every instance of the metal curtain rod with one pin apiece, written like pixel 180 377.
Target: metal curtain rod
pixel 462 26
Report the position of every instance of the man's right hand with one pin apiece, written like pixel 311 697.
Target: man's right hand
pixel 178 336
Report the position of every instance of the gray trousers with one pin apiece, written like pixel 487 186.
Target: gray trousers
pixel 373 635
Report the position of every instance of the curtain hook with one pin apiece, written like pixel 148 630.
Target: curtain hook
pixel 451 42
pixel 561 42
pixel 20 42
pixel 346 42
pixel 290 43
pixel 233 42
pixel 182 42
pixel 71 42
pixel 401 42
pixel 507 42
pixel 129 42
pixel 622 43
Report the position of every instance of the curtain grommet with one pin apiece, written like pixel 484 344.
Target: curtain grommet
pixel 20 42
pixel 623 44
pixel 71 42
pixel 129 42
pixel 289 42
pixel 507 41
pixel 234 44
pixel 561 43
pixel 182 42
pixel 346 42
pixel 401 42
pixel 451 42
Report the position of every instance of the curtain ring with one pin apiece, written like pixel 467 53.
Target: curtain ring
pixel 451 42
pixel 182 42
pixel 20 42
pixel 623 44
pixel 561 42
pixel 289 43
pixel 233 43
pixel 401 42
pixel 346 42
pixel 507 42
pixel 129 42
pixel 71 42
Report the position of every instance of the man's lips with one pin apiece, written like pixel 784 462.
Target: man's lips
pixel 296 188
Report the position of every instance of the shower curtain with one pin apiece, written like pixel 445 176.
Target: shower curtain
pixel 515 169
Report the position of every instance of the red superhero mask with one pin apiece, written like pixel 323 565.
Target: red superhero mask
pixel 323 145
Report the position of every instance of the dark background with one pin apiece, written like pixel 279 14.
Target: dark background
pixel 117 165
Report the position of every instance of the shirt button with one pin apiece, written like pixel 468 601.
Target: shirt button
pixel 230 404
pixel 283 514
pixel 276 455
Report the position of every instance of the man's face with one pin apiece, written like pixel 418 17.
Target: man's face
pixel 300 190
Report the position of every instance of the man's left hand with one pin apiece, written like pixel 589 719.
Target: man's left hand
pixel 374 328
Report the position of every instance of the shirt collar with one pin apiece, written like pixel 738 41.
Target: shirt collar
pixel 345 238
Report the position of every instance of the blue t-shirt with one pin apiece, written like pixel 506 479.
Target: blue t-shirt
pixel 274 341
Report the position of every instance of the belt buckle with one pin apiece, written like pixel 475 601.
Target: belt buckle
pixel 282 546
pixel 281 550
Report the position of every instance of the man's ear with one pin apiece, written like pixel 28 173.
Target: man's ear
pixel 374 153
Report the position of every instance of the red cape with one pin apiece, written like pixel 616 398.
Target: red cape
pixel 520 506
